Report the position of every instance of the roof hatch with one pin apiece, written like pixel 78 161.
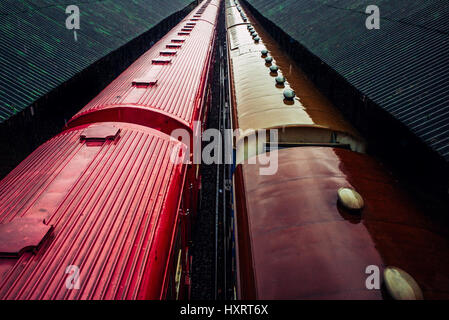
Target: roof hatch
pixel 150 78
pixel 100 133
pixel 23 234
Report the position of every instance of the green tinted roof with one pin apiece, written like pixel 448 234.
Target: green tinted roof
pixel 38 52
pixel 403 67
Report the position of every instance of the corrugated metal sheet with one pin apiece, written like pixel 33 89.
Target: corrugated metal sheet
pixel 402 66
pixel 185 74
pixel 113 206
pixel 38 53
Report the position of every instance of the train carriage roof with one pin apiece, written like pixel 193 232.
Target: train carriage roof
pixel 167 83
pixel 295 240
pixel 259 102
pixel 102 198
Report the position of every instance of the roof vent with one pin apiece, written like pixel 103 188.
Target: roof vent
pixel 268 59
pixel 100 133
pixel 348 198
pixel 400 285
pixel 274 68
pixel 256 39
pixel 161 60
pixel 183 33
pixel 168 52
pixel 191 23
pixel 280 79
pixel 173 45
pixel 264 52
pixel 144 82
pixel 178 40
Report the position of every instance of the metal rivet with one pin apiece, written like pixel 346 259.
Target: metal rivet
pixel 401 285
pixel 268 59
pixel 274 68
pixel 280 79
pixel 349 198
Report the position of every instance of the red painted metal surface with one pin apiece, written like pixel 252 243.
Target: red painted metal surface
pixel 22 234
pixel 296 242
pixel 112 195
pixel 171 97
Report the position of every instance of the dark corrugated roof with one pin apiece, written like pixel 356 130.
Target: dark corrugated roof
pixel 403 66
pixel 38 53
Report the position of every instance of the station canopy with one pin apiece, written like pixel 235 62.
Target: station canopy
pixel 403 67
pixel 38 53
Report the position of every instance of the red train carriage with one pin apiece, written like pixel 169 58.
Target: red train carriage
pixel 101 211
pixel 167 87
pixel 104 199
pixel 296 241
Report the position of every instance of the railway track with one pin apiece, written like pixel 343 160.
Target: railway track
pixel 212 253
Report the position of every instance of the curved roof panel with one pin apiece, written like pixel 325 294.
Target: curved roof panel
pixel 179 62
pixel 107 202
